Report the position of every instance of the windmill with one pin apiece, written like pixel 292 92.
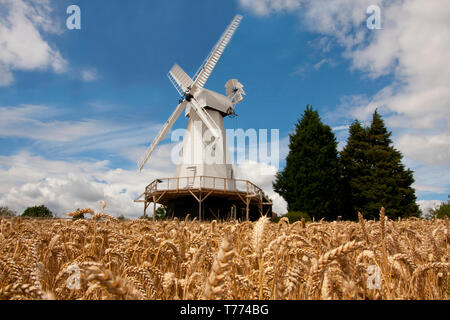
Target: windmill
pixel 205 167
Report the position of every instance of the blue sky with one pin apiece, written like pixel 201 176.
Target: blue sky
pixel 80 106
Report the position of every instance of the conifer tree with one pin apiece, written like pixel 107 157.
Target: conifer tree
pixel 311 182
pixel 374 174
pixel 356 170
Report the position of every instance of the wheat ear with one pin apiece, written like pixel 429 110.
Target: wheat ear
pixel 214 288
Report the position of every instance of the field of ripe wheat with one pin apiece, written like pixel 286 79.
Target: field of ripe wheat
pixel 103 258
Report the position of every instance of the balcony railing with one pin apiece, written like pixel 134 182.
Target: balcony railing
pixel 204 182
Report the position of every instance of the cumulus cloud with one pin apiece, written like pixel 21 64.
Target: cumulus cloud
pixel 428 149
pixel 252 171
pixel 259 162
pixel 428 205
pixel 23 24
pixel 64 186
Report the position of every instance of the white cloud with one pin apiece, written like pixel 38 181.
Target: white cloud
pixel 429 179
pixel 22 25
pixel 427 188
pixel 89 75
pixel 128 140
pixel 264 7
pixel 428 149
pixel 322 62
pixel 15 119
pixel 427 205
pixel 64 186
pixel 262 175
pixel 339 128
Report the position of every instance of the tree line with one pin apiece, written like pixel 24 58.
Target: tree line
pixel 31 212
pixel 320 182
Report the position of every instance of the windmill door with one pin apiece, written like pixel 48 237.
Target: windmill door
pixel 192 172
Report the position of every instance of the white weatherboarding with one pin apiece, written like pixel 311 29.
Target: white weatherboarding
pixel 205 151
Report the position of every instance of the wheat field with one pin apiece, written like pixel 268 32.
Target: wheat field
pixel 104 258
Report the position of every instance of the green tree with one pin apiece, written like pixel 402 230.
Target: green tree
pixel 356 170
pixel 38 212
pixel 443 210
pixel 160 213
pixel 6 212
pixel 311 181
pixel 374 174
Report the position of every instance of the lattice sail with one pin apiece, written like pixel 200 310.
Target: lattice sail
pixel 180 80
pixel 206 118
pixel 162 133
pixel 210 62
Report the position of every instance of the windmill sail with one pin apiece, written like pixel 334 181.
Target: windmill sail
pixel 180 80
pixel 206 118
pixel 162 133
pixel 183 83
pixel 210 62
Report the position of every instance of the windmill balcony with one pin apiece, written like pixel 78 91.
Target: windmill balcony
pixel 209 197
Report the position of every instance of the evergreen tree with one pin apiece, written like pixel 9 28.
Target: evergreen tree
pixel 356 170
pixel 311 180
pixel 374 174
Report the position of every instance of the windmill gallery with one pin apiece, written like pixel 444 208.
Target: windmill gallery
pixel 200 187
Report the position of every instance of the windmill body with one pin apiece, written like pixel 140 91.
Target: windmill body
pixel 203 154
pixel 205 168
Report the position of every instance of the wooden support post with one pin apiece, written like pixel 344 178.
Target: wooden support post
pixel 267 212
pixel 154 208
pixel 146 204
pixel 260 208
pixel 247 213
pixel 200 208
pixel 213 213
pixel 161 196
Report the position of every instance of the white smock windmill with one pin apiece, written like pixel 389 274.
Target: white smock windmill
pixel 205 164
